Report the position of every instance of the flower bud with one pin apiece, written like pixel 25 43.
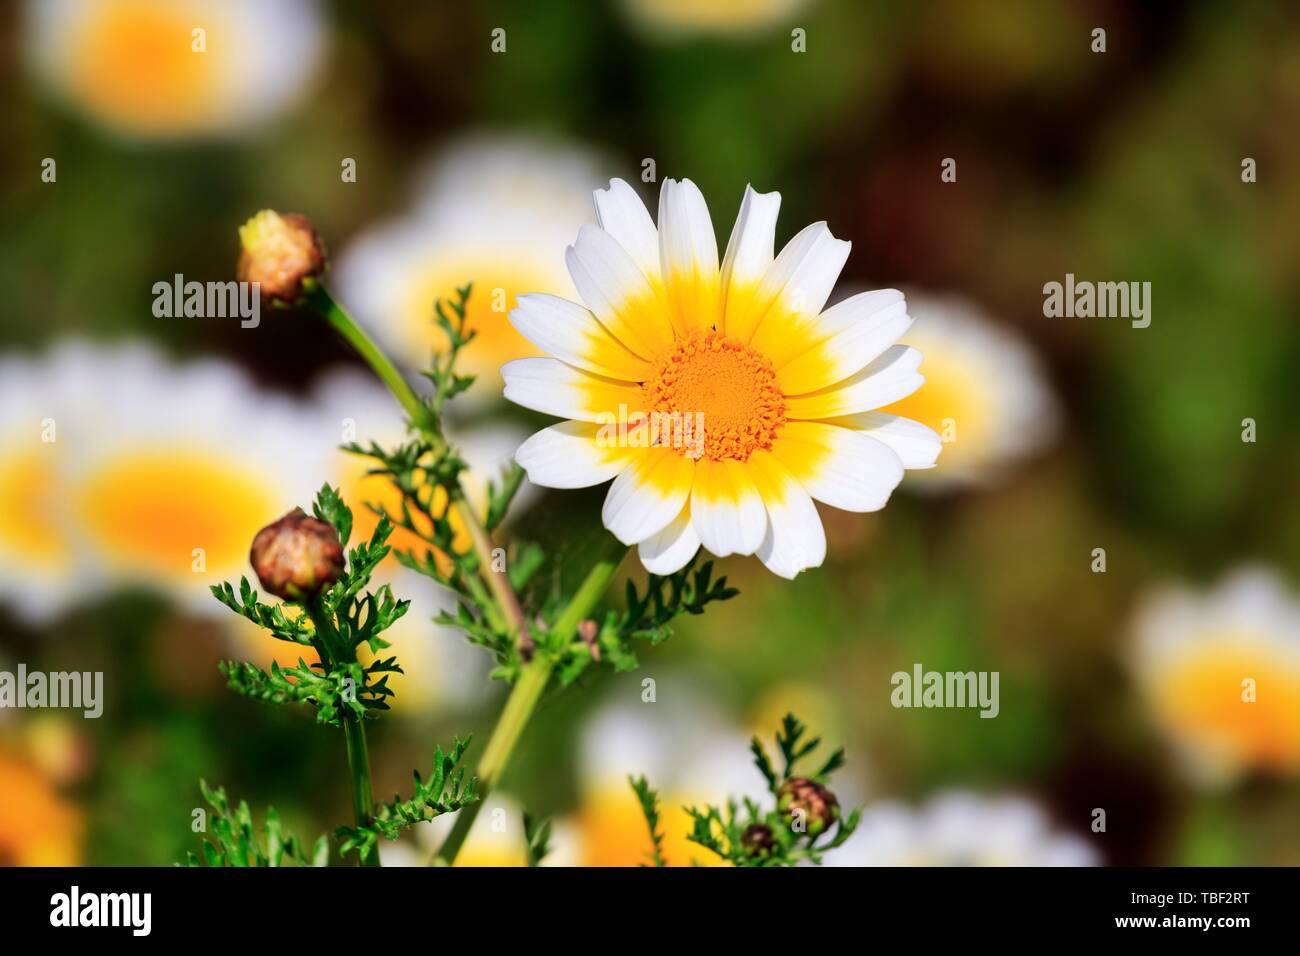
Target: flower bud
pixel 279 252
pixel 297 557
pixel 818 806
pixel 758 840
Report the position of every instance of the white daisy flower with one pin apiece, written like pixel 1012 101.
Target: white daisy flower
pixel 716 394
pixel 496 211
pixel 1220 674
pixel 961 829
pixel 672 18
pixel 175 68
pixel 986 393
pixel 175 469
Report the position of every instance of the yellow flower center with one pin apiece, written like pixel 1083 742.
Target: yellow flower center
pixel 1202 698
pixel 136 65
pixel 721 386
pixel 151 510
pixel 614 832
pixel 29 502
pixel 37 826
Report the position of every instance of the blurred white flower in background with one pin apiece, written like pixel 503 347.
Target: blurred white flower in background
pixel 1219 672
pixel 961 829
pixel 497 211
pixel 985 393
pixel 175 469
pixel 173 69
pixel 122 470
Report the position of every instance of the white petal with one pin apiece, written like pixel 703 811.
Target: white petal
pixel 572 333
pixel 622 214
pixel 647 495
pixel 726 508
pixel 843 468
pixel 888 379
pixel 670 549
pixel 794 538
pixel 916 445
pixel 610 283
pixel 687 244
pixel 550 386
pixel 569 455
pixel 847 337
pixel 805 272
pixel 750 249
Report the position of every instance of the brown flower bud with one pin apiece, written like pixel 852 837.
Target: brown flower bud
pixel 297 557
pixel 758 840
pixel 817 805
pixel 279 252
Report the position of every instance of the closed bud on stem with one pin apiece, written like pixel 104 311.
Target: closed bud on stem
pixel 280 252
pixel 297 557
pixel 819 806
pixel 758 840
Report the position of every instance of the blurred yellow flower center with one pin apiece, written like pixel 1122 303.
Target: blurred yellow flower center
pixel 28 505
pixel 152 510
pixel 37 826
pixel 1203 698
pixel 731 388
pixel 136 64
pixel 953 403
pixel 364 489
pixel 614 831
pixel 487 314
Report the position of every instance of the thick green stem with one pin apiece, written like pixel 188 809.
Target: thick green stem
pixel 523 701
pixel 363 801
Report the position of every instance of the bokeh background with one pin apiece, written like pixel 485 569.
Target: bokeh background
pixel 127 439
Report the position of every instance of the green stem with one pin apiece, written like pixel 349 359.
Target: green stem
pixel 523 701
pixel 319 299
pixel 510 725
pixel 363 801
pixel 354 732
